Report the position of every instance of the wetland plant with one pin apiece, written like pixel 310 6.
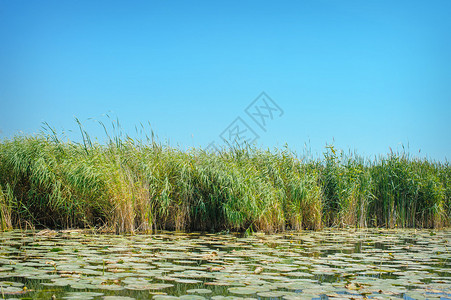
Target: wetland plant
pixel 128 185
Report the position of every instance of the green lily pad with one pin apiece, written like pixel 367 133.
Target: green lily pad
pixel 191 297
pixel 159 286
pixel 82 295
pixel 164 297
pixel 187 281
pixel 272 294
pixel 12 290
pixel 199 291
pixel 247 290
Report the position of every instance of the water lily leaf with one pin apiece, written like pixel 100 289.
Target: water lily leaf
pixel 191 297
pixel 164 297
pixel 187 281
pixel 199 291
pixel 81 295
pixel 159 286
pixel 247 290
pixel 272 294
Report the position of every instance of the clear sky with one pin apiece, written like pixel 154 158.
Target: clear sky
pixel 364 75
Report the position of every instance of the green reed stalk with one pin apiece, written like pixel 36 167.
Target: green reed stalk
pixel 129 185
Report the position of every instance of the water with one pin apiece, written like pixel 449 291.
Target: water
pixel 378 264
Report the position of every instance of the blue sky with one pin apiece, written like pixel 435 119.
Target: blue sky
pixel 363 75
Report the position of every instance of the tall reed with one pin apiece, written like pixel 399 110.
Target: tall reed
pixel 408 192
pixel 128 185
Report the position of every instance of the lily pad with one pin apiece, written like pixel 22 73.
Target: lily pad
pixel 247 290
pixel 82 295
pixel 199 291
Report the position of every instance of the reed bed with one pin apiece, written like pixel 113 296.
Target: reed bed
pixel 128 186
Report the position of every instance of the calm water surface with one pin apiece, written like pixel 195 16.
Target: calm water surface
pixel 334 264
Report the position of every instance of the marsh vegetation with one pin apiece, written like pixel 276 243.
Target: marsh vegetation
pixel 127 185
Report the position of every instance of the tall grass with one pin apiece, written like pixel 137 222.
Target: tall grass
pixel 128 185
pixel 6 207
pixel 348 188
pixel 409 192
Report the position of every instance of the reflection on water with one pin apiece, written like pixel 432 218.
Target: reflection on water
pixel 378 264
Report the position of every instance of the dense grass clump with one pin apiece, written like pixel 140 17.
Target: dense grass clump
pixel 129 186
